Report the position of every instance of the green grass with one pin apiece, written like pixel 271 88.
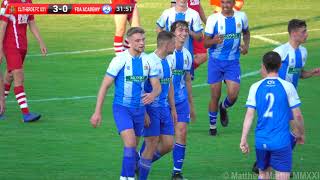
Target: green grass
pixel 64 146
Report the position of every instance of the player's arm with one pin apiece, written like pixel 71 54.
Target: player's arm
pixel 96 117
pixel 307 74
pixel 246 128
pixel 202 14
pixel 172 102
pixel 298 125
pixel 190 98
pixel 3 27
pixel 35 31
pixel 196 35
pixel 246 42
pixel 156 90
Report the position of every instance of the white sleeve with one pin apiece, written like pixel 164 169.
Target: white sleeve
pixel 293 98
pixel 161 22
pixel 197 27
pixel 251 101
pixel 280 50
pixel 210 24
pixel 245 23
pixel 114 67
pixel 153 69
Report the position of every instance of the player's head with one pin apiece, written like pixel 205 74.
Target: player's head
pixel 166 40
pixel 136 38
pixel 298 30
pixel 181 30
pixel 271 62
pixel 227 6
pixel 182 3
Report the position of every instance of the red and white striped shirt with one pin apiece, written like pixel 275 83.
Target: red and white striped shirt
pixel 16 32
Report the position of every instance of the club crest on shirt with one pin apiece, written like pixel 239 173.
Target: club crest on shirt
pixel 12 10
pixel 221 28
pixel 292 61
pixel 128 68
pixel 239 25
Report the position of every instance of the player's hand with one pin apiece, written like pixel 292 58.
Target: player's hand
pixel 244 147
pixel 2 105
pixel 301 139
pixel 218 39
pixel 148 98
pixel 96 120
pixel 147 121
pixel 316 72
pixel 174 115
pixel 244 49
pixel 192 114
pixel 43 49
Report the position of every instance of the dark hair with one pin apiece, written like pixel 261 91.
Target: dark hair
pixel 295 24
pixel 135 30
pixel 271 61
pixel 176 24
pixel 164 36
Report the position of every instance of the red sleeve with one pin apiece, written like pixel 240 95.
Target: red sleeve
pixel 4 18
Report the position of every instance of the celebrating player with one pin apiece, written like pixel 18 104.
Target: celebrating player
pixel 223 37
pixel 293 56
pixel 13 46
pixel 160 114
pixel 183 13
pixel 130 70
pixel 274 99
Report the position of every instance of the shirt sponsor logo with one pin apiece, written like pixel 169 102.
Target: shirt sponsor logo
pixel 165 80
pixel 178 72
pixel 293 70
pixel 232 36
pixel 136 78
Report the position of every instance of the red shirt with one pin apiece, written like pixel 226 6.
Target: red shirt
pixel 16 32
pixel 194 4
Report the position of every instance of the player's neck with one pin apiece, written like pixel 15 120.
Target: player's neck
pixel 294 44
pixel 134 53
pixel 161 53
pixel 273 74
pixel 227 14
pixel 181 9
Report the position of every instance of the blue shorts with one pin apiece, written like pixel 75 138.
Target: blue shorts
pixel 129 118
pixel 219 71
pixel 183 111
pixel 280 160
pixel 161 122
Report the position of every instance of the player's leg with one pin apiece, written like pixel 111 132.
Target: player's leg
pixel 120 21
pixel 232 78
pixel 15 59
pixel 2 97
pixel 215 76
pixel 263 163
pixel 151 139
pixel 183 112
pixel 8 79
pixel 124 120
pixel 166 140
pixel 281 162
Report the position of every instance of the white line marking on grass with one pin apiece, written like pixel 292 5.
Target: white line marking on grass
pixel 271 41
pixel 78 52
pixel 108 49
pixel 92 97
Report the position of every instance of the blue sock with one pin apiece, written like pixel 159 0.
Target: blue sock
pixel 128 162
pixel 144 168
pixel 213 119
pixel 227 103
pixel 178 157
pixel 156 156
pixel 293 140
